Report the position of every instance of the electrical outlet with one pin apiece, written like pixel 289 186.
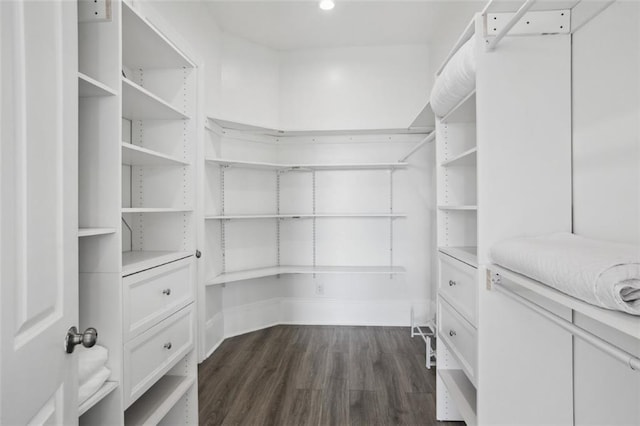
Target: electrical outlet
pixel 319 288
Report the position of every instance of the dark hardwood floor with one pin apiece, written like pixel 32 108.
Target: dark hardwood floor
pixel 318 375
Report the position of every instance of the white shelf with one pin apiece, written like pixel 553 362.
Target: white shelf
pixel 140 104
pixel 281 270
pixel 623 322
pixel 462 392
pixel 467 158
pixel 326 166
pixel 306 216
pixel 468 255
pixel 133 155
pixel 462 207
pixel 105 390
pixel 145 47
pixel 91 88
pixel 463 112
pixel 126 210
pixel 90 232
pixel 151 407
pixel 136 261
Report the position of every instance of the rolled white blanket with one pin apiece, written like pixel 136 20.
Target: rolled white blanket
pixel 92 384
pixel 602 273
pixel 456 81
pixel 90 360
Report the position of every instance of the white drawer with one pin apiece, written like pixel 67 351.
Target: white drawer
pixel 459 336
pixel 152 295
pixel 149 356
pixel 458 284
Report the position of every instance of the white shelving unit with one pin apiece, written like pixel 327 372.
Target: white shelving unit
pixel 292 167
pixel 490 188
pixel 137 148
pixel 229 277
pixel 302 203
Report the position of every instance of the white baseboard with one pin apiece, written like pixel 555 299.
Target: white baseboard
pixel 251 317
pixel 299 311
pixel 214 333
pixel 319 311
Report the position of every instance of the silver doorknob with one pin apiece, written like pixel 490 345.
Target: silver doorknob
pixel 167 345
pixel 88 339
pixel 452 283
pixel 166 292
pixel 452 333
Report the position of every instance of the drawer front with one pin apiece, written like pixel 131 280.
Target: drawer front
pixel 459 286
pixel 459 336
pixel 149 356
pixel 153 295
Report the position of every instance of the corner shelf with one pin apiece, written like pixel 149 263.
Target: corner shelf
pixel 467 158
pixel 463 392
pixel 126 210
pixel 90 232
pixel 460 207
pixel 136 261
pixel 133 155
pixel 293 167
pixel 468 255
pixel 305 216
pixel 145 47
pixel 281 270
pixel 140 104
pixel 91 88
pixel 105 390
pixel 151 407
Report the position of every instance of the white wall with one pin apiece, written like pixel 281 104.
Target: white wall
pixel 250 83
pixel 353 87
pixel 606 190
pixel 606 134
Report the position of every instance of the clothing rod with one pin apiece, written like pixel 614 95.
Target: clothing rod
pixel 514 20
pixel 419 145
pixel 625 357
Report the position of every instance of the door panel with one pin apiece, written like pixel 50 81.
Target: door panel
pixel 38 218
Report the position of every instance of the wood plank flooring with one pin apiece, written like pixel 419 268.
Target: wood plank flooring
pixel 318 375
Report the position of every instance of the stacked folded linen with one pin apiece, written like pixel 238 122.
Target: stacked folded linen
pixel 456 81
pixel 601 273
pixel 92 372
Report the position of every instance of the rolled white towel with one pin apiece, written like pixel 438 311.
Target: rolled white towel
pixel 92 384
pixel 456 81
pixel 90 360
pixel 602 273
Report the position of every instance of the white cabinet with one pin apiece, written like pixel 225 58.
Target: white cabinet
pixel 136 205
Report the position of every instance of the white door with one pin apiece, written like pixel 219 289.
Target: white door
pixel 38 214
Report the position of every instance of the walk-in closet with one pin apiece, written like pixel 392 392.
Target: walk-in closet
pixel 327 212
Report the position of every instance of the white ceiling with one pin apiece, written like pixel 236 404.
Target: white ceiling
pixel 300 24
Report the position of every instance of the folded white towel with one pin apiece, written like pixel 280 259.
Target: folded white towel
pixel 92 384
pixel 456 81
pixel 599 272
pixel 90 360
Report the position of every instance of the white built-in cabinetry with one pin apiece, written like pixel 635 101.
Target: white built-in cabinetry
pixel 137 228
pixel 504 170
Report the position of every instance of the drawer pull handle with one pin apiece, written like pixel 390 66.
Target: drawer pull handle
pixel 166 291
pixel 452 283
pixel 167 346
pixel 452 333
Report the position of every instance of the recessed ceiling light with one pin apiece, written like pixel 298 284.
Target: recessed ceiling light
pixel 327 4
